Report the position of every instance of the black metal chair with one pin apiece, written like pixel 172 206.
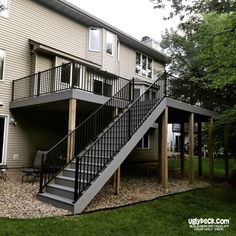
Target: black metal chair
pixel 33 172
pixel 2 171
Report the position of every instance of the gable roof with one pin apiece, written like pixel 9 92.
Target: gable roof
pixel 65 8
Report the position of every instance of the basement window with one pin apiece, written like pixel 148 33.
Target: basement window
pixel 144 142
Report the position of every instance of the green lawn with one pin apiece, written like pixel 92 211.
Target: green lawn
pixel 164 216
pixel 218 166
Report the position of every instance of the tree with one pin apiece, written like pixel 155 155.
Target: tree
pixel 203 54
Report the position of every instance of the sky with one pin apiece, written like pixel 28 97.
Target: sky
pixel 137 18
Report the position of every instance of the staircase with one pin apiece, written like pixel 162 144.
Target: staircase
pixel 95 157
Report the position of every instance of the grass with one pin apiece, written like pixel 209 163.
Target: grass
pixel 218 166
pixel 164 216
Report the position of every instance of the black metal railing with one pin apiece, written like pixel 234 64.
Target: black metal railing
pixel 70 146
pixel 96 141
pixel 93 160
pixel 73 75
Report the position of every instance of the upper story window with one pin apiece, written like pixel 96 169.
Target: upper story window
pixel 2 62
pixel 4 8
pixel 143 65
pixel 94 39
pixel 110 43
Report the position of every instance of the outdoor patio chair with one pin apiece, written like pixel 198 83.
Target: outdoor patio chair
pixel 33 172
pixel 2 171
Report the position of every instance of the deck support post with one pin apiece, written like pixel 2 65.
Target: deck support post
pixel 71 127
pixel 191 147
pixel 210 148
pixel 159 148
pixel 226 150
pixel 182 150
pixel 117 181
pixel 164 157
pixel 199 143
pixel 116 176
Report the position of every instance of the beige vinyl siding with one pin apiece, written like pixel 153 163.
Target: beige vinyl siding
pixel 48 27
pixel 44 62
pixel 29 20
pixel 127 62
pixel 110 62
pixel 150 154
pixel 34 130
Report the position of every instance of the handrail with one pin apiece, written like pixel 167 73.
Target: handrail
pixel 66 149
pixel 90 162
pixel 72 75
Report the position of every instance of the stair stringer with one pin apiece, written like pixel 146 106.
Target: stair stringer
pixel 118 159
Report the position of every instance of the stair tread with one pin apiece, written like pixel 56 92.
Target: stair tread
pixel 56 197
pixel 84 171
pixel 62 187
pixel 68 178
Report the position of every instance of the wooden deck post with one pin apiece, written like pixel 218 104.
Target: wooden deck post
pixel 226 150
pixel 117 181
pixel 182 150
pixel 116 176
pixel 164 157
pixel 71 127
pixel 210 148
pixel 199 143
pixel 191 147
pixel 159 147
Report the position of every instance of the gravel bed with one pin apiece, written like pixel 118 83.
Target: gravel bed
pixel 19 200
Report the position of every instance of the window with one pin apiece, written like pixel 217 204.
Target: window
pixel 4 8
pixel 136 93
pixel 110 43
pixel 144 143
pixel 65 73
pixel 2 62
pixel 94 39
pixel 102 88
pixel 143 65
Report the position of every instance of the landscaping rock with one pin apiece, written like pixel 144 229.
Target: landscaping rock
pixel 19 200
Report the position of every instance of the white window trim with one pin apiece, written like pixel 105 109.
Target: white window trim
pixel 118 50
pixel 4 65
pixel 8 10
pixel 5 138
pixel 144 148
pixel 91 49
pixel 113 44
pixel 140 74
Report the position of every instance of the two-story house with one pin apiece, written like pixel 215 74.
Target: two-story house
pixel 58 66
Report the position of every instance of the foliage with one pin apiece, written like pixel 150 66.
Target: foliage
pixel 2 7
pixel 205 63
pixel 164 216
pixel 204 56
pixel 195 8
